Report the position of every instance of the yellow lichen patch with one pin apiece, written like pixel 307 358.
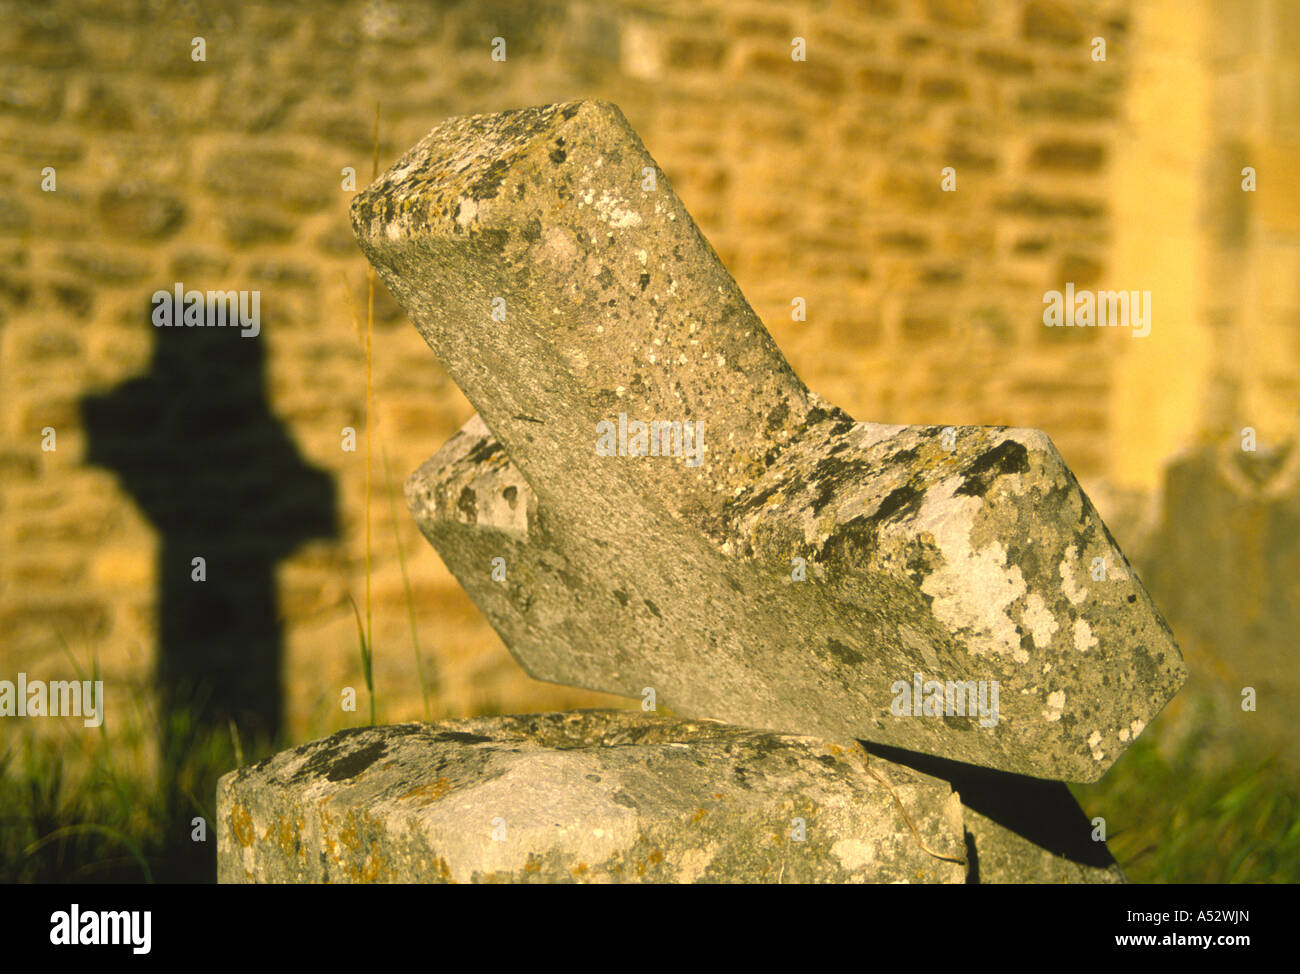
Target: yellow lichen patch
pixel 349 835
pixel 699 814
pixel 580 869
pixel 322 808
pixel 288 832
pixel 443 870
pixel 241 825
pixel 656 856
pixel 836 750
pixel 427 794
pixel 533 864
pixel 371 870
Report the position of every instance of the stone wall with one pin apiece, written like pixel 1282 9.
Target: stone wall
pixel 817 180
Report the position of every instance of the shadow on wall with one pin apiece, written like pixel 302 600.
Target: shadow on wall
pixel 194 443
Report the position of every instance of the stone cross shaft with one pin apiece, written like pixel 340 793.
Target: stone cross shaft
pixel 674 510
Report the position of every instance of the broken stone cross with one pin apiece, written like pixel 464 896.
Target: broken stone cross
pixel 649 499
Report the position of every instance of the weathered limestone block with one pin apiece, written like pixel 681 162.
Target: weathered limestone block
pixel 591 796
pixel 568 300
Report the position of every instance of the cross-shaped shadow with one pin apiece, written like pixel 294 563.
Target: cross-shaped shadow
pixel 194 443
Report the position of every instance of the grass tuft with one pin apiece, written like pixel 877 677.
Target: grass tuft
pixel 1199 816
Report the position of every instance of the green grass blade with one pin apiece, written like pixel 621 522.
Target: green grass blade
pixel 406 583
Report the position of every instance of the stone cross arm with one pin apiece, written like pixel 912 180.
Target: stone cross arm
pixel 672 509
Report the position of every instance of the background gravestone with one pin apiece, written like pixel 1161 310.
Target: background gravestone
pixel 1219 547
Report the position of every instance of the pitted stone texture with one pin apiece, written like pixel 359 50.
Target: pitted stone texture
pixel 614 301
pixel 907 572
pixel 592 796
pixel 962 561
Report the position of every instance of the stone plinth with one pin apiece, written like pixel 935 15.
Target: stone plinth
pixel 612 796
pixel 592 796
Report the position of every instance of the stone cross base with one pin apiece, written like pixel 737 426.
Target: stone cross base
pixel 619 796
